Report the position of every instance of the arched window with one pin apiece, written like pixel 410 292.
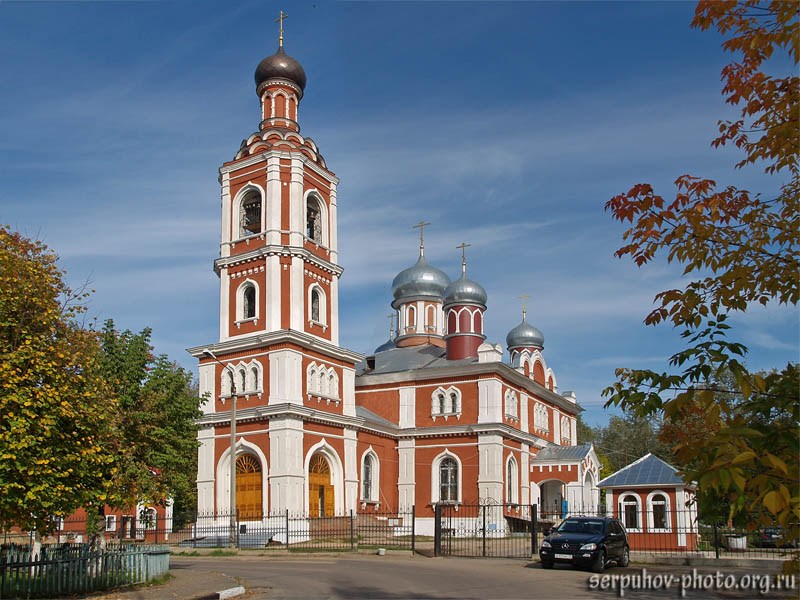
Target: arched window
pixel 254 384
pixel 315 305
pixel 442 404
pixel 370 472
pixel 455 402
pixel 430 318
pixel 411 319
pixel 250 215
pixel 658 511
pixel 446 402
pixel 314 220
pixel 241 380
pixel 512 408
pixel 226 382
pixel 512 484
pixel 629 512
pixel 448 480
pixel 247 301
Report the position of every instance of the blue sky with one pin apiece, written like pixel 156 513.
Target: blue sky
pixel 506 125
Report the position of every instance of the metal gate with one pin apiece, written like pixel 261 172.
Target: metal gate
pixel 485 530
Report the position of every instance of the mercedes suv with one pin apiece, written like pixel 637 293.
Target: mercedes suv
pixel 590 542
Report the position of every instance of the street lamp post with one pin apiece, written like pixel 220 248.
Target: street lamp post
pixel 207 352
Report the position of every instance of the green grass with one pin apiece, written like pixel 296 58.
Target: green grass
pixel 221 552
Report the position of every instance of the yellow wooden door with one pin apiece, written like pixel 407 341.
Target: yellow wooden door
pixel 320 490
pixel 249 500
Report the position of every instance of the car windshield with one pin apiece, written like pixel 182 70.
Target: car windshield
pixel 575 526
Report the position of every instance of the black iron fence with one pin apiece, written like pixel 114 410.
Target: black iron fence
pixel 298 532
pixel 485 530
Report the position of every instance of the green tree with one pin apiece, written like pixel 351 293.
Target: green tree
pixel 628 438
pixel 158 407
pixel 57 424
pixel 736 248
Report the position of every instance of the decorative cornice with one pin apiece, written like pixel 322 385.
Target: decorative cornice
pixel 277 250
pixel 260 341
pixel 494 368
pixel 313 415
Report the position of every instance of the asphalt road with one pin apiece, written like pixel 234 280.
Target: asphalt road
pixel 395 577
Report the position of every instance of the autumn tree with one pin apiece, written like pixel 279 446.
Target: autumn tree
pixel 57 416
pixel 737 248
pixel 158 406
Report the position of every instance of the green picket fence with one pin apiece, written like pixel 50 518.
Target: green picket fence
pixel 66 570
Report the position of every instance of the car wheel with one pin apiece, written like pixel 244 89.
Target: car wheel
pixel 626 558
pixel 546 564
pixel 599 565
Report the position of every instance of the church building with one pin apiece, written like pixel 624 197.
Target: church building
pixel 434 415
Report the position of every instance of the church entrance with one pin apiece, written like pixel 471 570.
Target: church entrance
pixel 320 490
pixel 248 487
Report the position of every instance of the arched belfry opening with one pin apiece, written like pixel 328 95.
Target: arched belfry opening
pixel 321 499
pixel 249 480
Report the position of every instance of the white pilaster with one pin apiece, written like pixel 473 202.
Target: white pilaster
pixel 406 483
pixel 490 467
pixel 286 476
pixel 334 324
pixel 525 474
pixel 350 470
pixel 227 215
pixel 297 306
pixel 556 427
pixel 205 470
pixel 523 410
pixel 296 204
pixel 490 401
pixel 408 407
pixel 207 387
pixel 349 392
pixel 333 227
pixel 224 304
pixel 420 324
pixel 285 377
pixel 273 278
pixel 273 200
pixel 573 422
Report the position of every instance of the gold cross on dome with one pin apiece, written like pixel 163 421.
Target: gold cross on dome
pixel 280 19
pixel 421 225
pixel 524 297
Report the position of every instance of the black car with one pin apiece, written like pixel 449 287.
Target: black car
pixel 586 542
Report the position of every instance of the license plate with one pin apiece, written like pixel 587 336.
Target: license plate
pixel 564 556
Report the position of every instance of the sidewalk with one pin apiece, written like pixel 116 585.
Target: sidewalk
pixel 188 582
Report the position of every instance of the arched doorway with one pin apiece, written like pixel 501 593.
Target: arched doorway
pixel 320 490
pixel 249 501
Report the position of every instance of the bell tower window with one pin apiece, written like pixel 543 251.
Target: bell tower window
pixel 249 302
pixel 315 305
pixel 250 215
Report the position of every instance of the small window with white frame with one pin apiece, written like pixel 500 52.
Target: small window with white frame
pixel 541 420
pixel 511 405
pixel 658 512
pixel 566 430
pixel 446 402
pixel 111 523
pixel 630 512
pixel 369 477
pixel 247 302
pixel 317 309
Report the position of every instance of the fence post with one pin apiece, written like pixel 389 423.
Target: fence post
pixel 437 530
pixel 534 528
pixel 483 509
pixel 716 540
pixel 287 528
pixel 352 531
pixel 413 529
pixel 237 527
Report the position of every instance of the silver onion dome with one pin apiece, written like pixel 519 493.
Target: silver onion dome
pixel 524 335
pixel 420 281
pixel 465 291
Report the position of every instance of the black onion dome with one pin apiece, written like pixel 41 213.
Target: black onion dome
pixel 525 335
pixel 464 290
pixel 280 66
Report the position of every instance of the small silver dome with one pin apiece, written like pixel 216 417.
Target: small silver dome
pixel 465 291
pixel 387 345
pixel 524 335
pixel 420 281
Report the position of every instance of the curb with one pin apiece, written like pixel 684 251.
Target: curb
pixel 230 592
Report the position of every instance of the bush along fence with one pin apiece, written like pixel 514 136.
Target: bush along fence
pixel 67 569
